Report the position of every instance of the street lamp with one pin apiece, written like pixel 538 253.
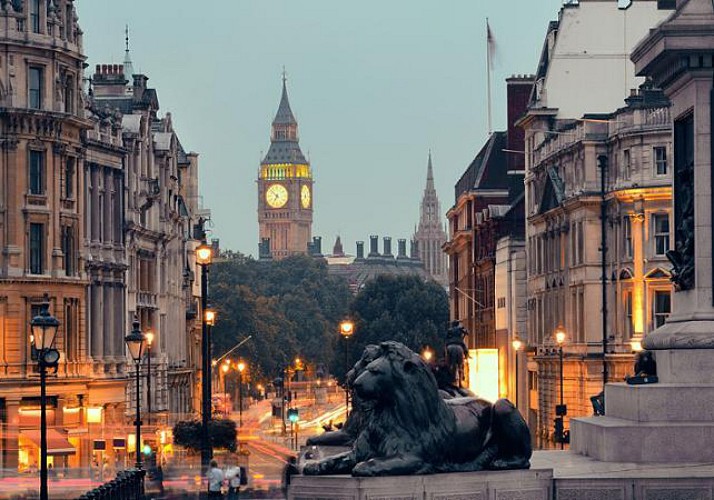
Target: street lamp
pixel 136 343
pixel 241 367
pixel 347 328
pixel 560 410
pixel 226 366
pixel 427 354
pixel 517 344
pixel 204 257
pixel 43 329
pixel 149 341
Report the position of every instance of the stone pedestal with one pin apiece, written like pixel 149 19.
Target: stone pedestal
pixel 531 484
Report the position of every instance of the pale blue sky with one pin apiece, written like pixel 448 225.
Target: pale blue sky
pixel 374 85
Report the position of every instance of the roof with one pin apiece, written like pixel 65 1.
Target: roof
pixel 284 114
pixel 284 152
pixel 489 169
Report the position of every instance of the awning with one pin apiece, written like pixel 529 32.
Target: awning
pixel 57 443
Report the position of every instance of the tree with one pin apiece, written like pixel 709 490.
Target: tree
pixel 290 308
pixel 222 433
pixel 402 308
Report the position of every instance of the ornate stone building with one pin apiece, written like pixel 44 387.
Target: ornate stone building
pixel 41 223
pixel 161 209
pixel 593 181
pixel 430 234
pixel 285 197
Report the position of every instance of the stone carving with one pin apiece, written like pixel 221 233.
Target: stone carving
pixel 356 421
pixel 456 351
pixel 682 257
pixel 411 429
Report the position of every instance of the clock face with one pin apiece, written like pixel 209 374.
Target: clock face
pixel 305 197
pixel 276 196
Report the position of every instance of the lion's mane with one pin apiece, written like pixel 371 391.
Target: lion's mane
pixel 416 420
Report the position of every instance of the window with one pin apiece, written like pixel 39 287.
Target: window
pixel 627 236
pixel 34 86
pixel 629 325
pixel 661 233
pixel 35 16
pixel 662 307
pixel 37 248
pixel 626 165
pixel 68 96
pixel 68 249
pixel 581 243
pixel 69 178
pixel 37 172
pixel 660 160
pixel 68 22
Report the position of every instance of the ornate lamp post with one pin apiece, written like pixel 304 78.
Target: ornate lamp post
pixel 44 330
pixel 136 344
pixel 517 344
pixel 149 341
pixel 204 257
pixel 560 410
pixel 347 328
pixel 241 367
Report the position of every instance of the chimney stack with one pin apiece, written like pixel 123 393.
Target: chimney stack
pixel 360 250
pixel 387 247
pixel 373 246
pixel 401 249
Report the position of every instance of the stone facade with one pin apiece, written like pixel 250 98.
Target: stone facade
pixel 161 209
pixel 285 196
pixel 567 150
pixel 96 209
pixel 430 234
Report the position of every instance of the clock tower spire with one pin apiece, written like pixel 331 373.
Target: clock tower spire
pixel 285 187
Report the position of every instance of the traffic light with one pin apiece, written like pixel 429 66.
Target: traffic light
pixel 293 414
pixel 558 436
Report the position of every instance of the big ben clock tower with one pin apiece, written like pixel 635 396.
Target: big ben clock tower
pixel 285 188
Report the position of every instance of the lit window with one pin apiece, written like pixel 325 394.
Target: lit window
pixel 662 307
pixel 661 233
pixel 660 159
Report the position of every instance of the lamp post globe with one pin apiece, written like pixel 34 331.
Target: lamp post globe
pixel 204 254
pixel 347 328
pixel 44 327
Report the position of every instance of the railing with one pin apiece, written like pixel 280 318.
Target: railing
pixel 128 485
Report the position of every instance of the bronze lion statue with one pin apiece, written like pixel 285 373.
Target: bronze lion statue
pixel 411 429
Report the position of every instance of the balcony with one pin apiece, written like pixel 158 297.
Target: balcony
pixel 146 299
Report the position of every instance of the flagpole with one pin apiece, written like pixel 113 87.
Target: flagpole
pixel 488 74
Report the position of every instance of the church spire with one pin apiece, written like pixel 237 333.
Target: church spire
pixel 429 175
pixel 128 66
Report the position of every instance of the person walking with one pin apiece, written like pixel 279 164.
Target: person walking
pixel 233 477
pixel 288 472
pixel 215 480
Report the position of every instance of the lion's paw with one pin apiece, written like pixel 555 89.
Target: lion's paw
pixel 364 469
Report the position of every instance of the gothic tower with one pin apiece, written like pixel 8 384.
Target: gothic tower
pixel 430 234
pixel 285 188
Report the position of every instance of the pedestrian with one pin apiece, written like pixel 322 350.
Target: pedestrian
pixel 215 480
pixel 233 476
pixel 289 471
pixel 51 473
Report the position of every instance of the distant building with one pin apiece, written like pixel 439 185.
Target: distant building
pixel 430 234
pixel 285 197
pixel 358 269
